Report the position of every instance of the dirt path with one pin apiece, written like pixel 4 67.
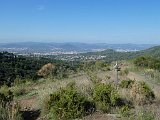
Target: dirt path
pixel 100 116
pixel 29 103
pixel 29 109
pixel 134 76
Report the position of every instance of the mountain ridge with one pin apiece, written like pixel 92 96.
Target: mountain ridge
pixel 69 46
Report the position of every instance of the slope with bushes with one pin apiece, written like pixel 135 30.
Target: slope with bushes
pixel 89 91
pixel 12 67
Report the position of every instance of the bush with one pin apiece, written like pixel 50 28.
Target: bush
pixel 94 78
pixel 141 61
pixel 124 72
pixel 69 104
pixel 141 93
pixel 125 111
pixel 108 77
pixel 105 96
pixel 126 83
pixel 19 90
pixel 5 95
pixel 101 65
pixel 8 110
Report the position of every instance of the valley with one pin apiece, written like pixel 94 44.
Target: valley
pixel 136 94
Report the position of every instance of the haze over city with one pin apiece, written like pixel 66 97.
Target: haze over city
pixel 89 21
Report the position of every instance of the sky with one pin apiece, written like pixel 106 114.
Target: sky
pixel 90 21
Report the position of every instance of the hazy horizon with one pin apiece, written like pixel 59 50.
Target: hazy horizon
pixel 75 42
pixel 85 21
pixel 95 42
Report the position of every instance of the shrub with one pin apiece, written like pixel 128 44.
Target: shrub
pixel 18 91
pixel 124 72
pixel 146 90
pixel 68 103
pixel 8 110
pixel 126 83
pixel 101 65
pixel 108 77
pixel 141 61
pixel 105 96
pixel 94 78
pixel 141 93
pixel 125 111
pixel 5 95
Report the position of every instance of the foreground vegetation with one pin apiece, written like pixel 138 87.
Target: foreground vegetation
pixel 64 90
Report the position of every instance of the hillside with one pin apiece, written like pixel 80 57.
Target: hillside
pixel 14 67
pixel 112 55
pixel 34 95
pixel 152 52
pixel 81 90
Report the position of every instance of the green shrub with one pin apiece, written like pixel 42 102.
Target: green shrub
pixel 125 111
pixel 69 104
pixel 141 93
pixel 105 97
pixel 146 91
pixel 5 95
pixel 102 65
pixel 126 83
pixel 108 77
pixel 18 91
pixel 141 61
pixel 124 72
pixel 94 78
pixel 8 110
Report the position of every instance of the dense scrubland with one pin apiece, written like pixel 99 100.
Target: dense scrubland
pixel 48 89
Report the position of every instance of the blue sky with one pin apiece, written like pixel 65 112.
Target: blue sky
pixel 105 21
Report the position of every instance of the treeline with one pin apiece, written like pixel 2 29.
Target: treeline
pixel 21 67
pixel 13 66
pixel 147 62
pixel 112 55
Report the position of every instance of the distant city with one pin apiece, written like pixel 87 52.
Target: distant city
pixel 68 51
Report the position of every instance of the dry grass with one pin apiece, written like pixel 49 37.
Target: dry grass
pixel 85 85
pixel 11 111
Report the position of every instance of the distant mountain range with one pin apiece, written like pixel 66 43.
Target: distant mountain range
pixel 37 47
pixel 83 51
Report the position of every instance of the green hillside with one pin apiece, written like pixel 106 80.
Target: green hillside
pixel 48 89
pixel 152 52
pixel 112 55
pixel 14 67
